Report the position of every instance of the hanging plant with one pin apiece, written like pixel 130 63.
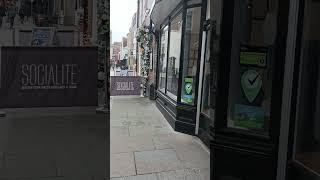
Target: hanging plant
pixel 144 38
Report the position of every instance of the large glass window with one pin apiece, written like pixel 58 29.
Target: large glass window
pixel 251 68
pixel 191 54
pixel 163 59
pixel 307 149
pixel 174 57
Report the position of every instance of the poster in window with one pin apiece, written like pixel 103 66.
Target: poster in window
pixel 248 117
pixel 188 90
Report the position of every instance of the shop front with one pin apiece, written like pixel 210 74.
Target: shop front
pixel 266 118
pixel 179 25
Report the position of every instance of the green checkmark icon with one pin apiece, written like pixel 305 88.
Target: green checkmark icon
pixel 251 83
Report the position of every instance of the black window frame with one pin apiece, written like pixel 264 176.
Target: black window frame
pixel 220 123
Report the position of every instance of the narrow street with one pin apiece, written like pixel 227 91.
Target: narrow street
pixel 145 147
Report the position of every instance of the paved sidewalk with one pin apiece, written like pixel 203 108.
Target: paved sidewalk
pixel 144 146
pixel 53 144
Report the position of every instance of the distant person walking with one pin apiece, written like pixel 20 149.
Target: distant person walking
pixel 21 14
pixel 12 12
pixel 2 11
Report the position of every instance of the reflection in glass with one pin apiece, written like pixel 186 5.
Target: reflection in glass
pixel 174 56
pixel 250 85
pixel 191 54
pixel 163 59
pixel 307 149
pixel 205 108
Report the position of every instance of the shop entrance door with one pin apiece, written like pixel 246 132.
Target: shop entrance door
pixel 249 94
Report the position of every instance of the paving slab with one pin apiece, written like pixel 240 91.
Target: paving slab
pixel 157 161
pixel 138 177
pixel 130 144
pixel 122 165
pixel 185 174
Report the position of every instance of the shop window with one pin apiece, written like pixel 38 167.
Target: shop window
pixel 251 66
pixel 163 59
pixel 307 146
pixel 205 108
pixel 174 57
pixel 190 54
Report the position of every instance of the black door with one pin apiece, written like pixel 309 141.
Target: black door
pixel 248 106
pixel 305 148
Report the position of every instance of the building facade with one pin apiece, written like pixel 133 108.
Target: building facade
pixel 73 23
pixel 244 77
pixel 179 27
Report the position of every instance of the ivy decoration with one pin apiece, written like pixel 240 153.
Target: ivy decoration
pixel 144 39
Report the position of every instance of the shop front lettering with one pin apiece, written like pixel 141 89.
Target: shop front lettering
pixel 125 86
pixel 49 76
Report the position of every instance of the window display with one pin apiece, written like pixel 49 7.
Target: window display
pixel 163 59
pixel 251 67
pixel 174 57
pixel 307 145
pixel 191 51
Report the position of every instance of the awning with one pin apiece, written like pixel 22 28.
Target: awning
pixel 161 10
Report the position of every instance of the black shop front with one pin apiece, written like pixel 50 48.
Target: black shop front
pixel 267 104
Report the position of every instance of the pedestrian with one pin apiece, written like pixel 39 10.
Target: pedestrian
pixel 12 12
pixel 21 14
pixel 2 11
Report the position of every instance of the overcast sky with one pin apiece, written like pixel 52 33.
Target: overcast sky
pixel 121 12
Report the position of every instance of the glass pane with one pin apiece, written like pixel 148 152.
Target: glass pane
pixel 191 55
pixel 251 68
pixel 211 59
pixel 163 59
pixel 206 82
pixel 174 57
pixel 308 126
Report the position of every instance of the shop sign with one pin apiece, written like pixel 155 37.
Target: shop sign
pixel 248 117
pixel 46 77
pixel 124 85
pixel 42 36
pixel 187 96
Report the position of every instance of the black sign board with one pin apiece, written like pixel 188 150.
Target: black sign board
pixel 48 77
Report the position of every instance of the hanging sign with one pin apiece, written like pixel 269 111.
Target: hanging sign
pixel 251 83
pixel 188 86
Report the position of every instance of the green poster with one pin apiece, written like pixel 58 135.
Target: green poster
pixel 188 90
pixel 253 58
pixel 248 117
pixel 251 83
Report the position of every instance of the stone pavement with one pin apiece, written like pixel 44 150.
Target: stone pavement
pixel 145 147
pixel 53 144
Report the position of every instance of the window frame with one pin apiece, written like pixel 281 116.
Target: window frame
pixel 182 8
